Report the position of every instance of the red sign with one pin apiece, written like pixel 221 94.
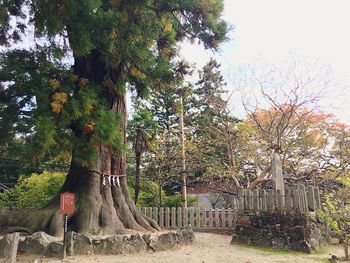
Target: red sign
pixel 67 203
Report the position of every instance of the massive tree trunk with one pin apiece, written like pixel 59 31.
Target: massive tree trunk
pixel 104 208
pixel 100 208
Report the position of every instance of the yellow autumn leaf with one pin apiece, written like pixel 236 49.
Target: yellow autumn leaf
pixel 54 84
pixel 135 72
pixel 113 35
pixel 60 97
pixel 168 26
pixel 83 82
pixel 56 107
pixel 72 77
pixel 112 50
pixel 165 51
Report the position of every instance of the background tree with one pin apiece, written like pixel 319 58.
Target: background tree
pixel 336 211
pixel 280 102
pixel 114 45
pixel 304 146
pixel 142 131
pixel 214 132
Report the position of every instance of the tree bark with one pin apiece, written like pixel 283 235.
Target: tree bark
pixel 137 176
pixel 346 247
pixel 140 145
pixel 160 196
pixel 183 154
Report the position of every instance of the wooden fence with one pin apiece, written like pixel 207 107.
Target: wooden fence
pixel 296 198
pixel 198 218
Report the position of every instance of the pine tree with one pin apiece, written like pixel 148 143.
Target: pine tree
pixel 215 126
pixel 115 44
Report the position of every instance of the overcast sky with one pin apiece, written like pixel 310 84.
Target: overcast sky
pixel 272 30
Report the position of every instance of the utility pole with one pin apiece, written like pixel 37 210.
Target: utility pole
pixel 183 152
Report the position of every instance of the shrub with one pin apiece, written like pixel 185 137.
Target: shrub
pixel 34 191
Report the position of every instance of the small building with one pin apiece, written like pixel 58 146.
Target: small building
pixel 210 196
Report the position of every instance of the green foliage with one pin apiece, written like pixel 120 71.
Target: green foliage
pixel 149 193
pixel 34 191
pixel 336 211
pixel 175 201
pixel 142 120
pixel 115 44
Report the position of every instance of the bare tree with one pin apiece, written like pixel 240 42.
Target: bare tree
pixel 277 102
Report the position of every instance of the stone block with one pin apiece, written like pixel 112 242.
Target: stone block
pixel 185 236
pixel 163 242
pixel 112 245
pixel 5 244
pixel 37 243
pixel 56 248
pixel 135 244
pixel 79 244
pixel 294 231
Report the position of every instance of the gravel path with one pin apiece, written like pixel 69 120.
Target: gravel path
pixel 208 248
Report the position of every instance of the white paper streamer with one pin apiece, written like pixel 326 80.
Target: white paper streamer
pixel 118 182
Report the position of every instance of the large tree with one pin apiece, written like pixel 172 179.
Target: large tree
pixel 114 44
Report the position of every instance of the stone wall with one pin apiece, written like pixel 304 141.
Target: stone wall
pixel 80 244
pixel 295 231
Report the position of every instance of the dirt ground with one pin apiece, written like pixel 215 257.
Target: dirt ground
pixel 208 248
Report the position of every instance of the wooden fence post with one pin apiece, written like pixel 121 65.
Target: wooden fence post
pixel 185 216
pixel 289 200
pixel 167 217
pixel 205 220
pixel 303 198
pixel 241 198
pixel 161 217
pixel 247 199
pixel 156 214
pixel 13 246
pixel 229 218
pixel 173 216
pixel 251 200
pixel 150 214
pixel 318 198
pixel 179 217
pixel 280 202
pixel 191 216
pixel 142 210
pixel 263 195
pixel 198 217
pixel 210 218
pixel 223 218
pixel 217 218
pixel 296 198
pixel 311 198
pixel 271 200
pixel 256 204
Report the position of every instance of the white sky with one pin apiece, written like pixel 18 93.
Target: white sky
pixel 272 30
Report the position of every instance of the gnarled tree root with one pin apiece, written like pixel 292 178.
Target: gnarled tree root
pixel 50 221
pixel 29 222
